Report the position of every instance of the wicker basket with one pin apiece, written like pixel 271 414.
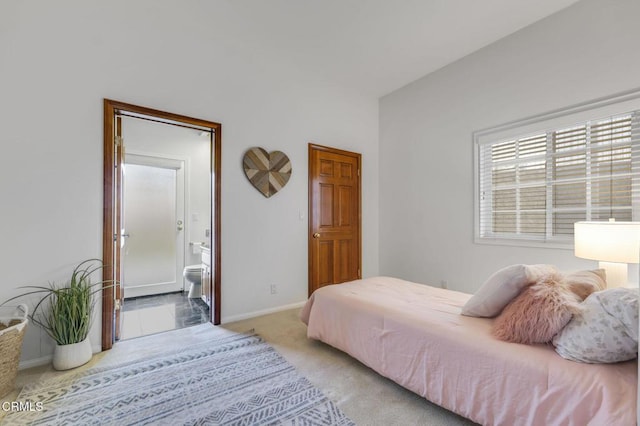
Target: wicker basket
pixel 13 324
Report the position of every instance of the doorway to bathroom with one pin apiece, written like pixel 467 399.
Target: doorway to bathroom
pixel 158 294
pixel 166 194
pixel 161 236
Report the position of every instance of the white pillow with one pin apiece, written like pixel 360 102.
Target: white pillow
pixel 606 330
pixel 502 287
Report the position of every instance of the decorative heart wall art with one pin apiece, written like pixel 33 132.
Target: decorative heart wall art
pixel 268 172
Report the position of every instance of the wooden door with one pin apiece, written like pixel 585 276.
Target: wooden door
pixel 334 216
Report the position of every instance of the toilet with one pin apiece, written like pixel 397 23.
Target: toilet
pixel 193 274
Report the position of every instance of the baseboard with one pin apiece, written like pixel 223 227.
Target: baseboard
pixel 37 362
pixel 254 314
pixel 151 289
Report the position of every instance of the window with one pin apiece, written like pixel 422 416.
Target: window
pixel 532 188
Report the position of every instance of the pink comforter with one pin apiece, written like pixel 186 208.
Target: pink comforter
pixel 414 335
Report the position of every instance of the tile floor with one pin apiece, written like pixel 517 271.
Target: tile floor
pixel 146 315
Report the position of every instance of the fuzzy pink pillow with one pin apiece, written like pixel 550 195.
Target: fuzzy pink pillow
pixel 538 313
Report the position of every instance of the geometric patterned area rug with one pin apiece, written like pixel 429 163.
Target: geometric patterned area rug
pixel 223 378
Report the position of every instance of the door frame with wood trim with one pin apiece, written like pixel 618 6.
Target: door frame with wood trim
pixel 112 109
pixel 314 211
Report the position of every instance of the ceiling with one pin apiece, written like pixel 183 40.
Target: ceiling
pixel 378 46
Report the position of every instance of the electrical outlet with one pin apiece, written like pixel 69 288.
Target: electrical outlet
pixel 443 283
pixel 274 289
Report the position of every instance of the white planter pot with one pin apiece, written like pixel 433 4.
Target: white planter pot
pixel 73 355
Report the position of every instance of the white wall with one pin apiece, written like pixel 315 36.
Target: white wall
pixel 60 59
pixel 426 155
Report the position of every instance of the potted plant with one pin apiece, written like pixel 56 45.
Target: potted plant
pixel 65 312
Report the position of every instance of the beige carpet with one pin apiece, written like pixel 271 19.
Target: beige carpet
pixel 363 395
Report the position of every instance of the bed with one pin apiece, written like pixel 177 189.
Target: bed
pixel 414 335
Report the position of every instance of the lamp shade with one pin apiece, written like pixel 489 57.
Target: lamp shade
pixel 608 241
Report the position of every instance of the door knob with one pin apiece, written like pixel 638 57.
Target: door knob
pixel 316 235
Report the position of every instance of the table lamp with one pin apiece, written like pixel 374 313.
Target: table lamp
pixel 613 244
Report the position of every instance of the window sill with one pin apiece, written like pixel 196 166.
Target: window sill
pixel 556 245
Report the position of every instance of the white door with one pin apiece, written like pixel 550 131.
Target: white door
pixel 154 240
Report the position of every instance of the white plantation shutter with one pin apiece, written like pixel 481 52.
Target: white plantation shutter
pixel 537 186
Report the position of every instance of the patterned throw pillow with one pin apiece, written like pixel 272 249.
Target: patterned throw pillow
pixel 605 331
